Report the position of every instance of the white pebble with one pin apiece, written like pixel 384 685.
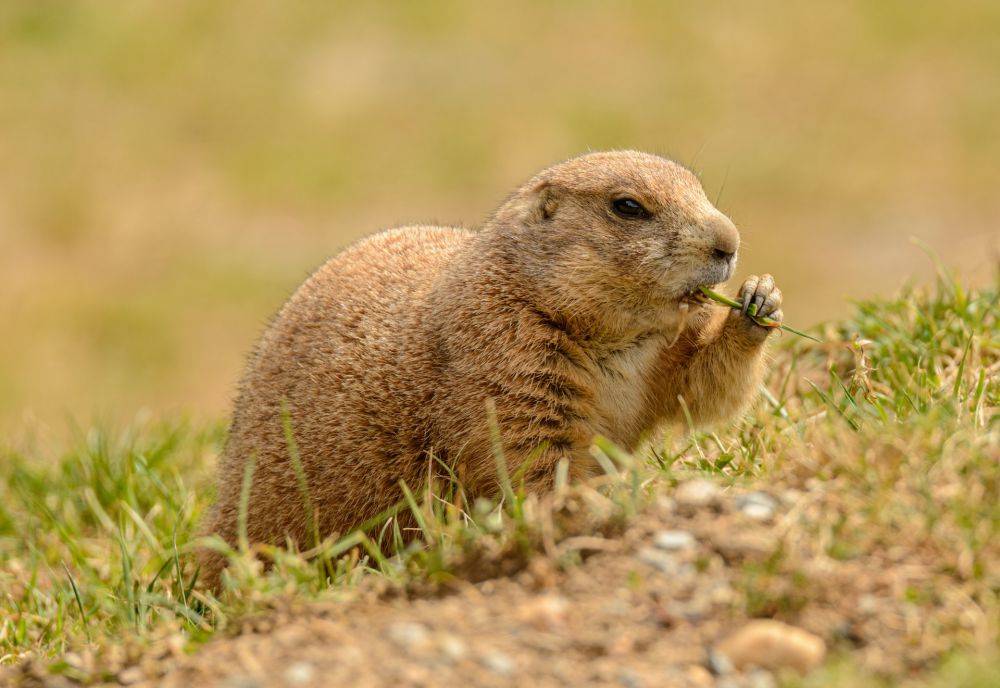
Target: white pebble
pixel 452 647
pixel 498 663
pixel 719 663
pixel 758 512
pixel 672 540
pixel 409 635
pixel 760 678
pixel 131 675
pixel 664 562
pixel 759 506
pixel 697 493
pixel 300 672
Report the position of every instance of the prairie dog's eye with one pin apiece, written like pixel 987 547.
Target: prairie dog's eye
pixel 629 208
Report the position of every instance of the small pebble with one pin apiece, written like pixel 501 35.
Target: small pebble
pixel 759 506
pixel 867 604
pixel 760 678
pixel 790 497
pixel 498 663
pixel 73 659
pixel 754 544
pixel 719 663
pixel 672 540
pixel 664 562
pixel 758 512
pixel 452 647
pixel 695 494
pixel 409 635
pixel 773 645
pixel 300 672
pixel 131 675
pixel 544 612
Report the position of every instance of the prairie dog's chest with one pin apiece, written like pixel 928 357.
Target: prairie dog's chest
pixel 621 388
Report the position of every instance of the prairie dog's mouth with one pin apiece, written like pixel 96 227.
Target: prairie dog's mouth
pixel 695 296
pixel 709 276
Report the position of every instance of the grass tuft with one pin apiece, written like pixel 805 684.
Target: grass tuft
pixel 891 422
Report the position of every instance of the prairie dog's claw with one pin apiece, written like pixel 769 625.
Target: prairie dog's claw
pixel 761 298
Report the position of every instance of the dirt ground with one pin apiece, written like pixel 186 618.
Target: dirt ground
pixel 651 605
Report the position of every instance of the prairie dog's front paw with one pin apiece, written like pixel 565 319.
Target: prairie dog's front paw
pixel 760 298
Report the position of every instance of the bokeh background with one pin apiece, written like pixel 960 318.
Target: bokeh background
pixel 170 171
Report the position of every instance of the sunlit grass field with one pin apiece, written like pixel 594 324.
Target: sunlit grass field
pixel 172 170
pixel 895 414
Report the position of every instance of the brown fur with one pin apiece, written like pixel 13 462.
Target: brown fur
pixel 568 317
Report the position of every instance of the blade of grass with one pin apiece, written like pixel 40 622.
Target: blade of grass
pixel 832 404
pixel 241 516
pixel 177 569
pixel 606 464
pixel 167 563
pixel 957 387
pixel 779 408
pixel 418 513
pixel 127 579
pixel 498 455
pixel 691 427
pixel 79 603
pixel 300 473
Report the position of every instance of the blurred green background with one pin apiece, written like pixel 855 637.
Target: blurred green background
pixel 172 170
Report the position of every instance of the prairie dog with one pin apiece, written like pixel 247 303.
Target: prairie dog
pixel 569 310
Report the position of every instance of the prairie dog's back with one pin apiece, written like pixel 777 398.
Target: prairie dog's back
pixel 332 357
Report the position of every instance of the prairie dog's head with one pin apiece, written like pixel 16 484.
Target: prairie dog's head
pixel 621 230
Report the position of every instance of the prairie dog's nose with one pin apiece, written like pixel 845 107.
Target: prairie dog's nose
pixel 725 237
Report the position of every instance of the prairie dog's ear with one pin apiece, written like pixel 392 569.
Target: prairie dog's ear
pixel 532 203
pixel 543 201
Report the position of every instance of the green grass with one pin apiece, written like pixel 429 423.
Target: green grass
pixel 895 414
